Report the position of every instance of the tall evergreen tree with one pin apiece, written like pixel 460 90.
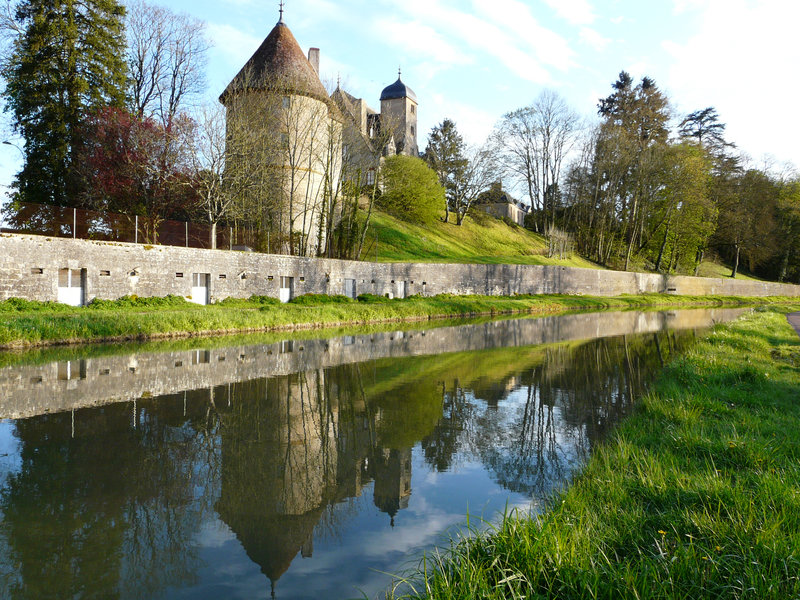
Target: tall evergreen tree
pixel 67 63
pixel 445 155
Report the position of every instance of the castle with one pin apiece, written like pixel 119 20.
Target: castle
pixel 291 146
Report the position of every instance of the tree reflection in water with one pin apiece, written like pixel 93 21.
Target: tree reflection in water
pixel 116 510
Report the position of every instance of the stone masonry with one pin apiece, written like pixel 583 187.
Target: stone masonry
pixel 29 269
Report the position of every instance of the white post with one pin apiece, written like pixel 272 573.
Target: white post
pixel 74 223
pixel 136 235
pixel 186 237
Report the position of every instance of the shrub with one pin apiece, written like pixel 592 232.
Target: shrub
pixel 316 299
pixel 249 302
pixel 411 190
pixel 21 305
pixel 134 301
pixel 264 300
pixel 372 298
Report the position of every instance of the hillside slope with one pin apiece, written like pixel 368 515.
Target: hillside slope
pixel 481 239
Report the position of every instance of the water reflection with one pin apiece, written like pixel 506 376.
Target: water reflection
pixel 222 489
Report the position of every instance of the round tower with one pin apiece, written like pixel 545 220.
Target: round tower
pixel 399 113
pixel 283 138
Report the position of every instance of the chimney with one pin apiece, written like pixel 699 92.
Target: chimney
pixel 313 58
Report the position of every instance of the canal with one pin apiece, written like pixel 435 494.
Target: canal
pixel 301 468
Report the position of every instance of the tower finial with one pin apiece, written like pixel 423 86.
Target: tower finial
pixel 281 11
pixel 399 72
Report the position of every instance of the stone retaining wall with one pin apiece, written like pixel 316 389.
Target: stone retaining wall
pixel 29 267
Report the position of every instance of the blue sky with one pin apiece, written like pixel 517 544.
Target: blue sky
pixel 473 60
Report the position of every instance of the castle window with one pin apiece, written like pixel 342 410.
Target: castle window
pixel 413 109
pixel 286 102
pixel 371 177
pixel 413 130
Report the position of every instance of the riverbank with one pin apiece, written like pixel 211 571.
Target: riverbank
pixel 29 324
pixel 697 495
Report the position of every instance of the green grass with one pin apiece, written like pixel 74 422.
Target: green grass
pixel 697 495
pixel 32 324
pixel 718 270
pixel 481 239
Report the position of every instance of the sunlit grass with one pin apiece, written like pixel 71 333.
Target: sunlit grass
pixel 720 271
pixel 697 495
pixel 31 324
pixel 481 239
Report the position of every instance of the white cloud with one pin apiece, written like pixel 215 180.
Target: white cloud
pixel 742 60
pixel 234 43
pixel 593 39
pixel 472 123
pixel 419 40
pixel 576 12
pixel 503 30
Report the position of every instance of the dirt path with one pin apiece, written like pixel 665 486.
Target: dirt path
pixel 794 320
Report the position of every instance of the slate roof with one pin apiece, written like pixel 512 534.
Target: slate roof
pixel 398 90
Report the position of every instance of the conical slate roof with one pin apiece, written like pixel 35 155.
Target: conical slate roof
pixel 278 64
pixel 398 90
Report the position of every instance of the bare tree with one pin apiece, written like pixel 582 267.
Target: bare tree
pixel 532 143
pixel 478 172
pixel 166 60
pixel 214 193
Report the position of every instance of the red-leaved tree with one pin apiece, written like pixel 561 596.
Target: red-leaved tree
pixel 138 167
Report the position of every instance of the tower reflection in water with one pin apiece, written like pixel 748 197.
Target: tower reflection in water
pixel 117 500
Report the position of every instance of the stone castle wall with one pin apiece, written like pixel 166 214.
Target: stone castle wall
pixel 29 267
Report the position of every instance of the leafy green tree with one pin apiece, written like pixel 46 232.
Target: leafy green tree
pixel 67 62
pixel 632 142
pixel 747 219
pixel 704 127
pixel 411 189
pixel 789 218
pixel 445 155
pixel 684 215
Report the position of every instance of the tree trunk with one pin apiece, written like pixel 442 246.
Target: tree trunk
pixel 784 266
pixel 736 263
pixel 700 255
pixel 634 217
pixel 663 245
pixel 214 235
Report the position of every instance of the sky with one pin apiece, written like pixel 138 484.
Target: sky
pixel 474 60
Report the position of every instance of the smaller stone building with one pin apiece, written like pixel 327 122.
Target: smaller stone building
pixel 499 203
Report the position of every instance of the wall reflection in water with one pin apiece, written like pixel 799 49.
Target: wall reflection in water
pixel 117 500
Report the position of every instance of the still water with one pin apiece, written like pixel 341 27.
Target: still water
pixel 305 468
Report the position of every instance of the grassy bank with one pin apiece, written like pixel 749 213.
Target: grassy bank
pixel 697 495
pixel 481 239
pixel 25 324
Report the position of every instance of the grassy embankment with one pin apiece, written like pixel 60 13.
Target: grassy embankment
pixel 481 239
pixel 26 324
pixel 697 495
